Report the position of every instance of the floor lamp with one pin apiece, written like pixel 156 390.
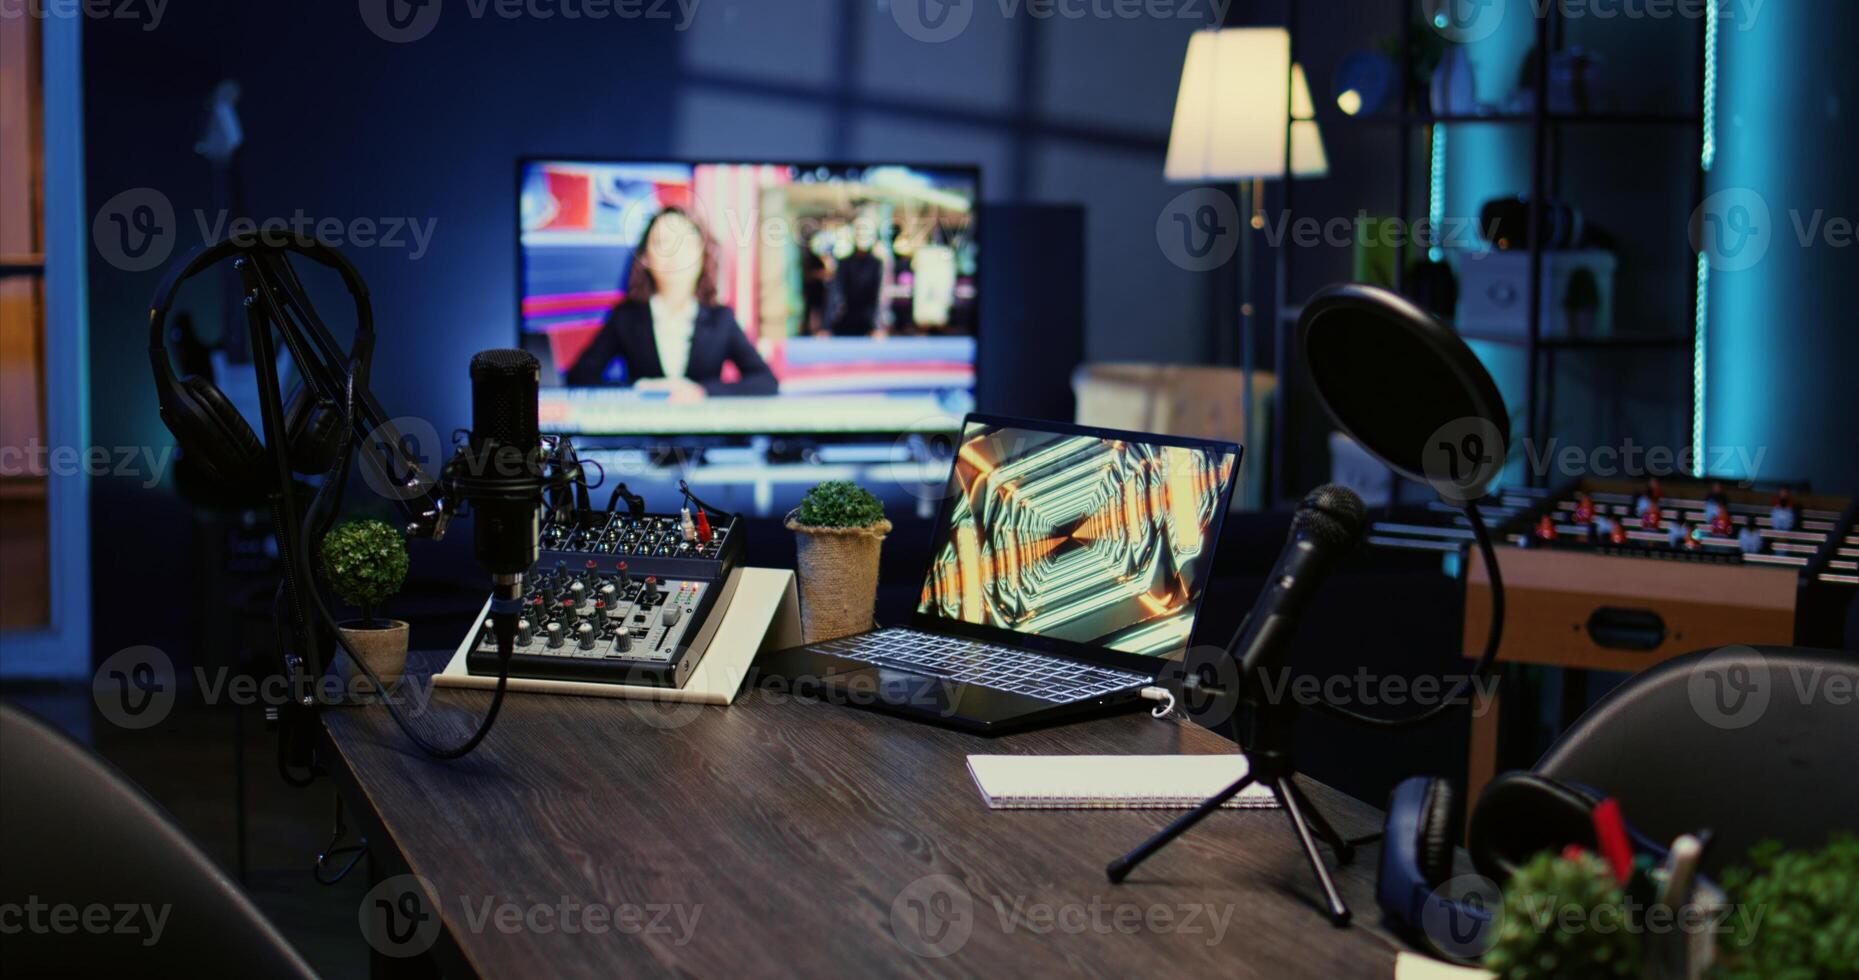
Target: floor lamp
pixel 1244 113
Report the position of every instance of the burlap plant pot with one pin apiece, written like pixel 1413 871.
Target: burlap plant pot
pixel 838 577
pixel 382 646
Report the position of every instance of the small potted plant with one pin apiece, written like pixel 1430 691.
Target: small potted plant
pixel 1545 931
pixel 1582 303
pixel 365 562
pixel 838 528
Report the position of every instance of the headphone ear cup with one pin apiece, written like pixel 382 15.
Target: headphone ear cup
pixel 315 432
pixel 1522 813
pixel 1440 826
pixel 209 427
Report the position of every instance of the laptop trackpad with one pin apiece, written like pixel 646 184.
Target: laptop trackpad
pixel 866 684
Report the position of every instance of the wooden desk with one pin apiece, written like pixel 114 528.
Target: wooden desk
pixel 792 831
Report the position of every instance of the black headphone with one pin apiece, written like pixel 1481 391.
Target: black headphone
pixel 1517 816
pixel 207 427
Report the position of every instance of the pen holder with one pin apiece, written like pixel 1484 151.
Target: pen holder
pixel 838 569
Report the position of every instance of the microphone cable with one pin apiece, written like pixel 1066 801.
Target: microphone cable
pixel 504 624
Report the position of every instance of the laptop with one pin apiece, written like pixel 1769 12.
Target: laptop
pixel 1066 572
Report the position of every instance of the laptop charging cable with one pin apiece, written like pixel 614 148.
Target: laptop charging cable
pixel 1157 693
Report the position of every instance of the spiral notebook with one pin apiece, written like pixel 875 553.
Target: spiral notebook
pixel 1111 782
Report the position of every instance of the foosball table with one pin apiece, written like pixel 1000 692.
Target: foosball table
pixel 1619 575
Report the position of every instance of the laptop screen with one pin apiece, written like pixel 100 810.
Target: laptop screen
pixel 1098 539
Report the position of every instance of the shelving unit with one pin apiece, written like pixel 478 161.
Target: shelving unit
pixel 1545 177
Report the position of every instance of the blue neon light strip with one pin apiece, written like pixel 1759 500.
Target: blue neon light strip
pixel 1436 191
pixel 1707 156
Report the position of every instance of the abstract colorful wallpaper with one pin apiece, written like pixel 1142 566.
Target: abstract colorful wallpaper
pixel 1078 538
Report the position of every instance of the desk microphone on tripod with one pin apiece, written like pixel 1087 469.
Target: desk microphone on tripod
pixel 1406 388
pixel 1327 526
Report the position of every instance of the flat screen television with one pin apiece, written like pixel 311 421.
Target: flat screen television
pixel 726 298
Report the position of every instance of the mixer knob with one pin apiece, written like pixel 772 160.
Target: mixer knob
pixel 624 642
pixel 584 636
pixel 554 631
pixel 523 631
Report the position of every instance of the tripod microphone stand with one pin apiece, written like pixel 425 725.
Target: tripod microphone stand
pixel 1406 388
pixel 1270 763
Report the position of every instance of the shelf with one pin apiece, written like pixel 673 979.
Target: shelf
pixel 1525 119
pixel 1628 342
pixel 1624 342
pixel 23 264
pixel 1290 315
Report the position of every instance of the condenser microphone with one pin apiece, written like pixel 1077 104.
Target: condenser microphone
pixel 502 478
pixel 1327 526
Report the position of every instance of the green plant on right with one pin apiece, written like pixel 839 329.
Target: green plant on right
pixel 839 503
pixel 1797 913
pixel 1564 918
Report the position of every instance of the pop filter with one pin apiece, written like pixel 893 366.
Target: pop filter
pixel 1406 388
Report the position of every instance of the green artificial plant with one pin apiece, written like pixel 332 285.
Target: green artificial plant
pixel 839 503
pixel 1564 918
pixel 1797 913
pixel 365 561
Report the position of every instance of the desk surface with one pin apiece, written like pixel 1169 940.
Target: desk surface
pixel 787 836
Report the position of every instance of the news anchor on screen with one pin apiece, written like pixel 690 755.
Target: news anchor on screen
pixel 668 333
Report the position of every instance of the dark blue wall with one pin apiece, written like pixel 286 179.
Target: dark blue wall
pixel 343 124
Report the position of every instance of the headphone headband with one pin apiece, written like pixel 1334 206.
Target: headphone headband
pixel 207 256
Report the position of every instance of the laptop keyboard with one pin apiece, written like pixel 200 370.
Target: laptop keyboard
pixel 985 664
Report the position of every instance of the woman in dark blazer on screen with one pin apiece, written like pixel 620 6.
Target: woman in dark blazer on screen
pixel 668 333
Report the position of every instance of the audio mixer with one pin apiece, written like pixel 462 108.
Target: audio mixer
pixel 620 598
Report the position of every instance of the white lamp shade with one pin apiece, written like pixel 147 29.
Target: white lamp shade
pixel 1230 119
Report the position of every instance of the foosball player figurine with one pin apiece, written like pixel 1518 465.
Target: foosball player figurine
pixel 1722 524
pixel 1716 502
pixel 1785 516
pixel 1649 500
pixel 1546 528
pixel 1651 519
pixel 1617 534
pixel 1749 539
pixel 1584 508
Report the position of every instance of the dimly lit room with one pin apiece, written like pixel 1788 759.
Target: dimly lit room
pixel 718 488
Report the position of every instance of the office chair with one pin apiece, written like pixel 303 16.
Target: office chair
pixel 1750 742
pixel 75 834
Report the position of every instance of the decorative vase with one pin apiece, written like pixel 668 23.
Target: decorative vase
pixel 838 577
pixel 382 647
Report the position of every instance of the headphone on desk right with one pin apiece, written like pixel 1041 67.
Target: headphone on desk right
pixel 206 425
pixel 1517 816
